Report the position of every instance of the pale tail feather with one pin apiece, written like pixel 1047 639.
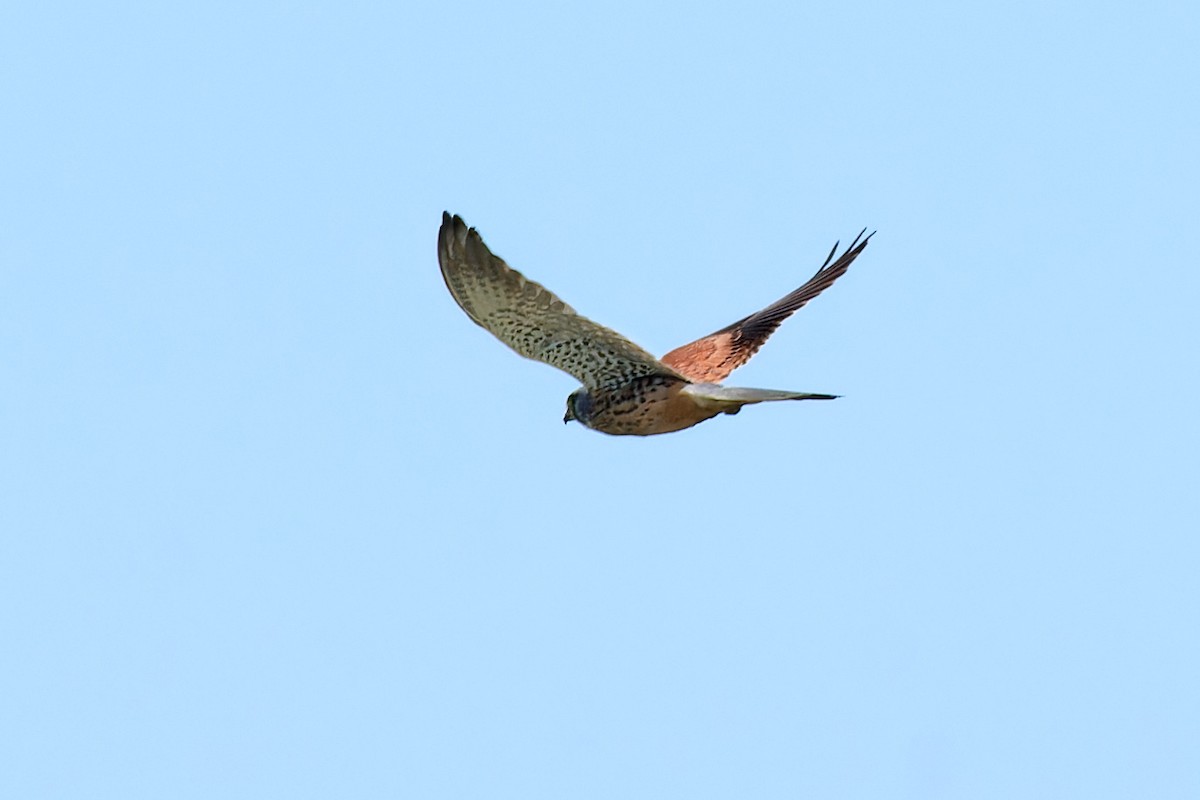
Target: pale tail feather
pixel 712 395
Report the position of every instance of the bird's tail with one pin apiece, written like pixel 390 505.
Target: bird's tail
pixel 728 398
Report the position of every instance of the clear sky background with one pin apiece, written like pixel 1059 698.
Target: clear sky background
pixel 278 521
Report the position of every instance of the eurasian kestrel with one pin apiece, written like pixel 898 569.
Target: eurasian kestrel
pixel 625 389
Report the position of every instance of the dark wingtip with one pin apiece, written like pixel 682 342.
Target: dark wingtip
pixel 452 220
pixel 859 242
pixel 451 235
pixel 453 230
pixel 832 251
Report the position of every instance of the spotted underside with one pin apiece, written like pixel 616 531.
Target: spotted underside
pixel 647 405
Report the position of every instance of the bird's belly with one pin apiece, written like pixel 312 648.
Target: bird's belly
pixel 655 409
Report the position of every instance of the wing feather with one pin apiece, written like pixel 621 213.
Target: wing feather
pixel 531 319
pixel 711 358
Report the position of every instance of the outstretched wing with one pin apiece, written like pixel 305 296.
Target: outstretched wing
pixel 712 358
pixel 530 319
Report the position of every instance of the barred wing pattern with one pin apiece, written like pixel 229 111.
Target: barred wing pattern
pixel 711 358
pixel 532 320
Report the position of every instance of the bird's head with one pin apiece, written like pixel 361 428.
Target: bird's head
pixel 579 407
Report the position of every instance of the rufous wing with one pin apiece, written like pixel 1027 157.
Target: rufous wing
pixel 710 359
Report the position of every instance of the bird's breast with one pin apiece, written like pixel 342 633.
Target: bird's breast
pixel 645 406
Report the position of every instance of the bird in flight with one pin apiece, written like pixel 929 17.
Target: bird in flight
pixel 626 391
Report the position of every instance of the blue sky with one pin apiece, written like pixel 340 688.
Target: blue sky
pixel 279 521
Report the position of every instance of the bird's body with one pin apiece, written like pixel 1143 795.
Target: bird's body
pixel 643 406
pixel 626 391
pixel 664 404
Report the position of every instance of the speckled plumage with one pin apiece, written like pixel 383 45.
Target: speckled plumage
pixel 626 390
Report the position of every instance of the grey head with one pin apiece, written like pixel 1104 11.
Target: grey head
pixel 579 407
